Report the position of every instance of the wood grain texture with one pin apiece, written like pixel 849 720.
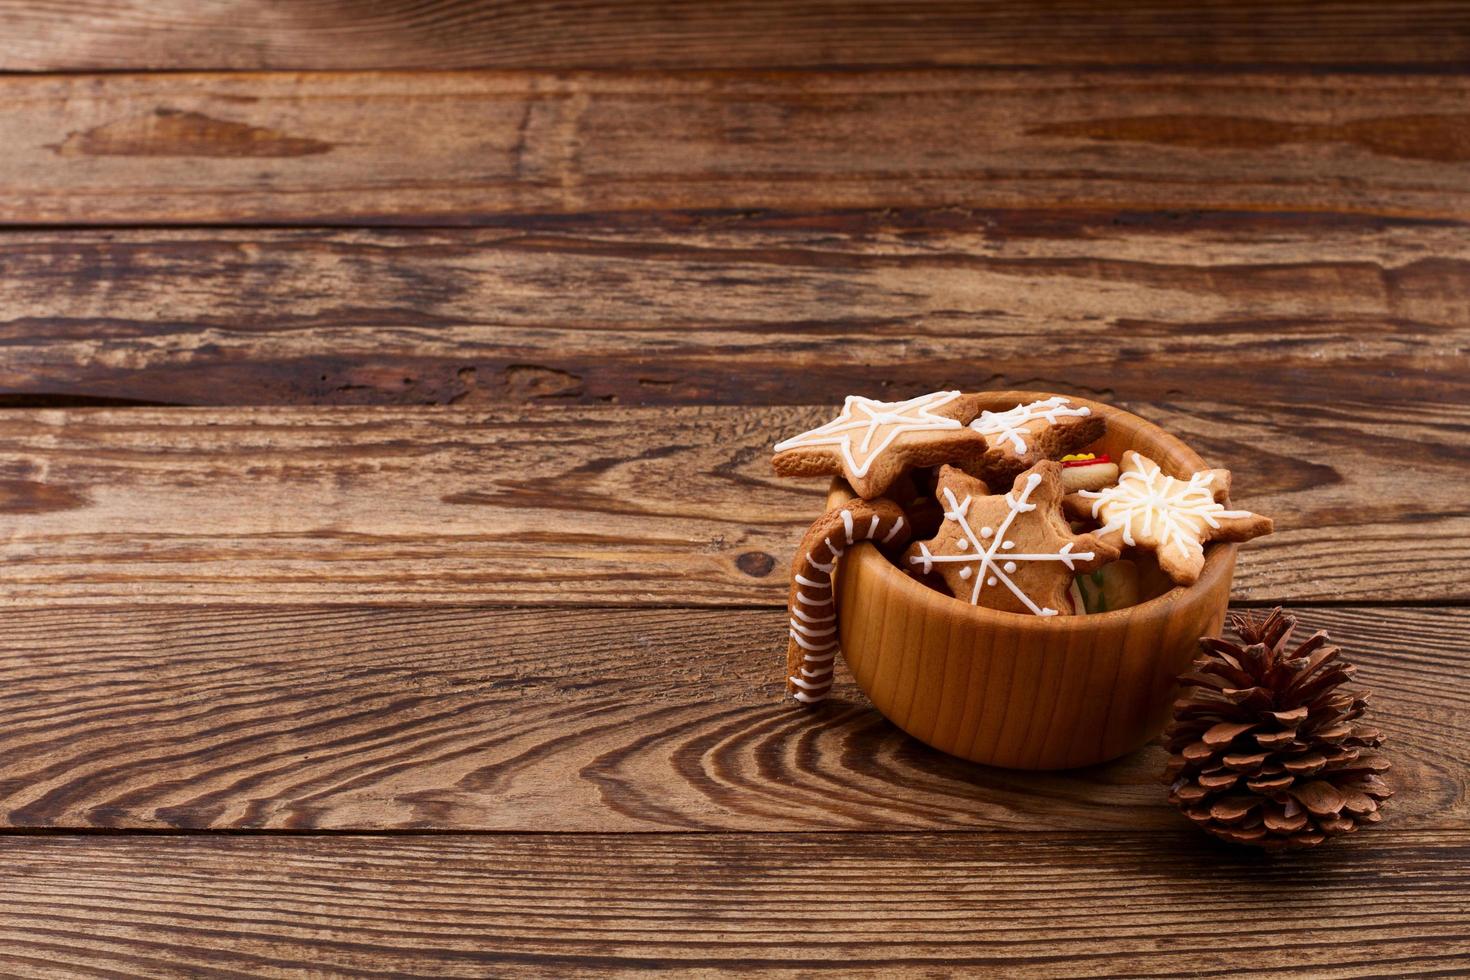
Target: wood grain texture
pixel 616 506
pixel 620 506
pixel 746 309
pixel 864 905
pixel 573 721
pixel 549 618
pixel 173 34
pixel 464 147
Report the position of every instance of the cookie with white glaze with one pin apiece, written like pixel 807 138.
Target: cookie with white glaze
pixel 1174 518
pixel 1022 436
pixel 872 443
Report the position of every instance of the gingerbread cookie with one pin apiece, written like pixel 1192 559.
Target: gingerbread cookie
pixel 812 649
pixel 1013 552
pixel 1174 518
pixel 1022 436
pixel 871 443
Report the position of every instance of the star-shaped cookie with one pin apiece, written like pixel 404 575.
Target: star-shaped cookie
pixel 1174 518
pixel 1012 552
pixel 1022 436
pixel 871 443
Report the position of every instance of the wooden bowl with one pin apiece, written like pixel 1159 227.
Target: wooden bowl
pixel 1021 691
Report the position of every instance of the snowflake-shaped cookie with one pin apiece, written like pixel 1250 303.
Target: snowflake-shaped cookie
pixel 1013 552
pixel 1150 509
pixel 871 443
pixel 1023 436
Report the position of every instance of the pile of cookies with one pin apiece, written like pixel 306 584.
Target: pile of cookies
pixel 1007 510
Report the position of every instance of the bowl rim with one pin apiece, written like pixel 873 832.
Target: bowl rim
pixel 1219 555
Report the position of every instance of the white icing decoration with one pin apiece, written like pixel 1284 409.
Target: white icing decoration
pixel 1009 426
pixel 865 417
pixel 897 526
pixel 803 580
pixel 811 619
pixel 813 633
pixel 813 647
pixel 1146 494
pixel 962 544
pixel 983 560
pixel 965 573
pixel 846 526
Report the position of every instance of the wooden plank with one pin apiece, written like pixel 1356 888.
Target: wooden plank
pixel 578 506
pixel 751 310
pixel 871 904
pixel 754 34
pixel 572 721
pixel 622 506
pixel 462 147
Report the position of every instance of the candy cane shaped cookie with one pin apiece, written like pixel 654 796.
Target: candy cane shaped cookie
pixel 812 651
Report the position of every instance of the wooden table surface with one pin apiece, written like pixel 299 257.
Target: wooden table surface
pixel 392 566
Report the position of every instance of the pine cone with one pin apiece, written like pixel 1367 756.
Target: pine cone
pixel 1265 748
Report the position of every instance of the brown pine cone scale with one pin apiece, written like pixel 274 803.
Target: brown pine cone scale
pixel 1266 747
